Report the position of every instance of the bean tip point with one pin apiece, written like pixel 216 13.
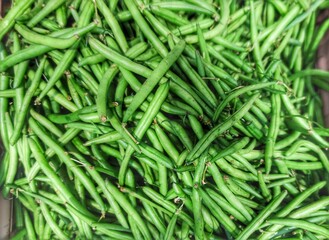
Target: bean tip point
pixel 103 118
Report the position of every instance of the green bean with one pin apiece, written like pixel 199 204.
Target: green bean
pixel 16 11
pixel 281 182
pixel 187 98
pixel 169 206
pixel 171 227
pixel 200 170
pixel 310 236
pixel 197 214
pixel 304 15
pixel 4 103
pixel 50 221
pixel 204 51
pixel 105 138
pixel 186 88
pixel 50 6
pixel 28 225
pixel 254 39
pixel 287 141
pixel 86 230
pixel 144 123
pixel 221 58
pixel 289 207
pixel 197 81
pixel 95 68
pixel 21 69
pixel 264 189
pixel 236 93
pixel 310 208
pixel 219 214
pixel 66 159
pixel 168 15
pixel 46 123
pixel 133 52
pixel 153 79
pixel 97 177
pixel 219 129
pixel 163 209
pixel 219 28
pixel 61 16
pixel 302 123
pixel 27 99
pixel 191 28
pixel 309 72
pixel 156 155
pixel 87 78
pixel 234 147
pixel 303 165
pixel 156 220
pixel 4 168
pixel 149 34
pixel 120 198
pixel 235 188
pixel 19 235
pixel 92 59
pixel 273 132
pixel 49 202
pixel 39 222
pixel 178 108
pixel 196 126
pixel 148 161
pixel 281 25
pixel 99 129
pixel 123 16
pixel 119 95
pixel 233 61
pixel 301 224
pixel 36 50
pixel 99 226
pixel 102 91
pixel 177 6
pixel 114 234
pixel 49 25
pixel 118 59
pixel 280 6
pixel 75 91
pixel 113 23
pixel 147 55
pixel 181 133
pixel 226 192
pixel 60 43
pixel 221 74
pixel 250 205
pixel 9 93
pixel 311 50
pixel 13 157
pixel 52 175
pixel 247 188
pixel 262 216
pixel 233 171
pixel 47 232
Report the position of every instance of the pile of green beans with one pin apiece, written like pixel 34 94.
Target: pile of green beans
pixel 171 119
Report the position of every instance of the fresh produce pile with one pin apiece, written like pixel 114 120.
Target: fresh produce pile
pixel 141 119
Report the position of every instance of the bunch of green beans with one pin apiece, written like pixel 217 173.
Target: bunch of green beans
pixel 174 119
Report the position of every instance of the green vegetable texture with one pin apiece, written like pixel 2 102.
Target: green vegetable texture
pixel 173 119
